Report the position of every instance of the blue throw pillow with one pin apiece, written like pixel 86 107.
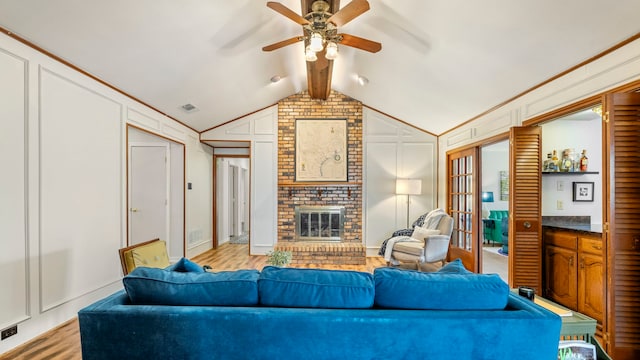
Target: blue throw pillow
pixel 151 286
pixel 407 289
pixel 185 265
pixel 315 288
pixel 454 267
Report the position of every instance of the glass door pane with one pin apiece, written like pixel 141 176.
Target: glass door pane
pixel 462 206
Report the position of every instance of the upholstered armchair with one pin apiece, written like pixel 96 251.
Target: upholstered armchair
pixel 493 226
pixel 152 253
pixel 430 247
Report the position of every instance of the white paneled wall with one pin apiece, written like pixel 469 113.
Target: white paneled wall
pixel 63 189
pixel 394 150
pixel 13 190
pixel 199 198
pixel 80 189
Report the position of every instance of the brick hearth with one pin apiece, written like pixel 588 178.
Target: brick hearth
pixel 308 252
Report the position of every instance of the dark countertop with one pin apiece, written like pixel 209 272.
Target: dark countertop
pixel 592 228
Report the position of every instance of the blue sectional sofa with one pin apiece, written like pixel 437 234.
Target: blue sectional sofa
pixel 316 314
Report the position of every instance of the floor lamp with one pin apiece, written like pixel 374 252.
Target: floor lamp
pixel 408 187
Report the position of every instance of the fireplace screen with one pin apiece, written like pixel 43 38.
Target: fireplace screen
pixel 319 223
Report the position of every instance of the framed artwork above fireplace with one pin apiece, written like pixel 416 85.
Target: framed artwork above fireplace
pixel 321 150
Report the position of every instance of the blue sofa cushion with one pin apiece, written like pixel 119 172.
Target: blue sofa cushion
pixel 408 289
pixel 315 288
pixel 150 286
pixel 454 267
pixel 185 265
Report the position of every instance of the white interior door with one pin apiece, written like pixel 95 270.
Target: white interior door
pixel 233 200
pixel 244 194
pixel 148 185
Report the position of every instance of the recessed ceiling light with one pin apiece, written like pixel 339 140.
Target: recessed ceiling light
pixel 276 78
pixel 362 80
pixel 189 108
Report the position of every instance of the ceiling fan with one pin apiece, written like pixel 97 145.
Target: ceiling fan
pixel 321 38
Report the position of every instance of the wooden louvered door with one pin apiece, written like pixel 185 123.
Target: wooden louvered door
pixel 525 225
pixel 622 218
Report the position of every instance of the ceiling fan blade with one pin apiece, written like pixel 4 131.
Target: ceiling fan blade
pixel 287 12
pixel 360 43
pixel 282 43
pixel 349 12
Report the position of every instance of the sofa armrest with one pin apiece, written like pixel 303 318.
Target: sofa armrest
pixel 436 247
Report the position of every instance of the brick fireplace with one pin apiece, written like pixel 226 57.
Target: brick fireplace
pixel 292 194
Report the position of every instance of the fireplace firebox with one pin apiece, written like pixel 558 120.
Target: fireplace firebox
pixel 319 223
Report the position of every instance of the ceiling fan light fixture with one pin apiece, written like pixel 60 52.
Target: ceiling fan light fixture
pixel 309 54
pixel 332 51
pixel 315 42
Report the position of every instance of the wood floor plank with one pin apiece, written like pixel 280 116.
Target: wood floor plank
pixel 63 342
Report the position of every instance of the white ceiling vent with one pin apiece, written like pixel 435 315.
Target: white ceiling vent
pixel 189 108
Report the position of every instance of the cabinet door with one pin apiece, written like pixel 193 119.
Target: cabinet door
pixel 591 286
pixel 561 273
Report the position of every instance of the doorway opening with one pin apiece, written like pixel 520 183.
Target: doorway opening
pixel 155 190
pixel 494 196
pixel 231 214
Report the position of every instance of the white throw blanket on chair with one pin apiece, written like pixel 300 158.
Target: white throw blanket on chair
pixel 430 222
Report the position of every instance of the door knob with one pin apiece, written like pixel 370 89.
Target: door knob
pixel 527 225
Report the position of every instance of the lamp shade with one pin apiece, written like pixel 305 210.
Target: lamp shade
pixel 310 55
pixel 315 42
pixel 408 186
pixel 487 196
pixel 332 51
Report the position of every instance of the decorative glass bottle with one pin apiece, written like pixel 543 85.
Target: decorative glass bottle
pixel 547 164
pixel 566 164
pixel 555 163
pixel 584 161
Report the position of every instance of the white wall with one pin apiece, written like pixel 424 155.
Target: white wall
pixel 199 198
pixel 614 69
pixel 573 134
pixel 394 150
pixel 63 189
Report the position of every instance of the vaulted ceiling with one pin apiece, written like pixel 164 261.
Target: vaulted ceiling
pixel 442 61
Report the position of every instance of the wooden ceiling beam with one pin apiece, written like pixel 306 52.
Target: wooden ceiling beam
pixel 319 71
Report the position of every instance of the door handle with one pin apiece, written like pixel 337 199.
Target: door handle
pixel 133 209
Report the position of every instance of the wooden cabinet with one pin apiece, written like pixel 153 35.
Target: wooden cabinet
pixel 591 279
pixel 574 272
pixel 560 275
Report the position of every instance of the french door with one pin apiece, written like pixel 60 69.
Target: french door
pixel 463 189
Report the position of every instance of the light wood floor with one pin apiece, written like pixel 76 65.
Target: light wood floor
pixel 63 342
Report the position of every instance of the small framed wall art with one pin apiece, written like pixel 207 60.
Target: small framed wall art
pixel 582 191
